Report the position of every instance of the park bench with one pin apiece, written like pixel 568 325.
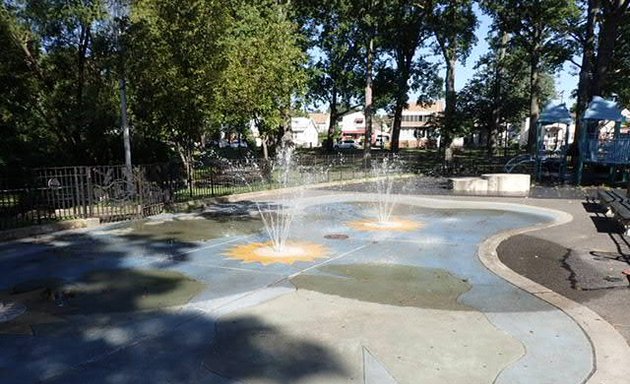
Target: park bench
pixel 606 198
pixel 621 211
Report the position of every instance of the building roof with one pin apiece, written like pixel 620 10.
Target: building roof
pixel 320 118
pixel 555 112
pixel 602 109
pixel 299 124
pixel 438 106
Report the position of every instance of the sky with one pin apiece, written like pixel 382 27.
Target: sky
pixel 566 80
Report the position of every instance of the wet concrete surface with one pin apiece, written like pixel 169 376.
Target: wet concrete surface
pixel 192 228
pixel 53 304
pixel 478 321
pixel 399 285
pixel 309 337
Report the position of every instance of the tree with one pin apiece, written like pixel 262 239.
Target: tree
pixel 175 62
pixel 613 15
pixel 264 67
pixel 620 65
pixel 540 28
pixel 336 76
pixel 602 38
pixel 21 121
pixel 477 101
pixel 584 34
pixel 403 32
pixel 67 53
pixel 453 23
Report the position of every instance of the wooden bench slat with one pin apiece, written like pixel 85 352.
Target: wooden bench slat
pixel 607 197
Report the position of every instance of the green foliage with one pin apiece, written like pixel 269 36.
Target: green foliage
pixel 620 67
pixel 18 99
pixel 191 69
pixel 199 67
pixel 335 44
pixel 539 27
pixel 453 23
pixel 61 54
pixel 477 99
pixel 173 65
pixel 264 65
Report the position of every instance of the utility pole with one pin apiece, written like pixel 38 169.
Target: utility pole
pixel 124 122
pixel 369 108
pixel 367 144
pixel 120 12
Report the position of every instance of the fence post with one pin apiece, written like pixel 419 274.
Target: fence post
pixel 89 191
pixel 212 181
pixel 190 180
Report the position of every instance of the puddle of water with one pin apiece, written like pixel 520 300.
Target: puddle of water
pixel 48 303
pixel 400 285
pixel 200 229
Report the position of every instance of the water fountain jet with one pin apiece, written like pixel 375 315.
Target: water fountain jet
pixel 278 216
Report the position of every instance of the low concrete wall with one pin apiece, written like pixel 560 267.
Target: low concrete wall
pixel 469 184
pixel 508 184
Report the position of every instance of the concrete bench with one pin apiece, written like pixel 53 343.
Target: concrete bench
pixel 621 211
pixel 606 198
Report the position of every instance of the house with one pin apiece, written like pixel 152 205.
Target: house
pixel 554 135
pixel 321 120
pixel 353 126
pixel 304 132
pixel 416 126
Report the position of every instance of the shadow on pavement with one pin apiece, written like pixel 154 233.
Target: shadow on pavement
pixel 247 348
pixel 115 322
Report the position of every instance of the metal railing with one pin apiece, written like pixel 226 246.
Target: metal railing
pixel 111 193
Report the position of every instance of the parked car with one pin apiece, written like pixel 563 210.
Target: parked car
pixel 219 143
pixel 238 144
pixel 347 144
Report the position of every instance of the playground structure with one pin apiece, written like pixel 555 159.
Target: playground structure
pixel 602 140
pixel 553 136
pixel 552 139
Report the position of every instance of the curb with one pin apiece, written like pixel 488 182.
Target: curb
pixel 611 352
pixel 36 230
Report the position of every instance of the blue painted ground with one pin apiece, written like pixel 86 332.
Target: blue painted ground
pixel 166 346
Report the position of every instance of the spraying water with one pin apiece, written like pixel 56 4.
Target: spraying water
pixel 277 217
pixel 385 172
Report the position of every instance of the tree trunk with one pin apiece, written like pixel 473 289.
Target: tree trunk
pixel 186 156
pixel 405 58
pixel 265 148
pixel 450 101
pixel 612 17
pixel 534 110
pixel 84 42
pixel 584 84
pixel 496 102
pixel 332 123
pixel 395 139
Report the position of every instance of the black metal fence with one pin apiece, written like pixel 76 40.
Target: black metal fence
pixel 112 193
